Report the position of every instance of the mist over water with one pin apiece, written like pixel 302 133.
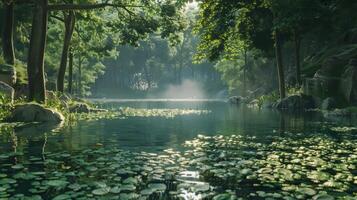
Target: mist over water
pixel 188 89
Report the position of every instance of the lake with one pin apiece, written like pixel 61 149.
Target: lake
pixel 181 149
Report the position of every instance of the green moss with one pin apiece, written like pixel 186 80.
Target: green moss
pixel 21 72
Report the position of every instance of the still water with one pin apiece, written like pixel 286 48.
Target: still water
pixel 221 153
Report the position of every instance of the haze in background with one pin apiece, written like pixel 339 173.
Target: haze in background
pixel 188 89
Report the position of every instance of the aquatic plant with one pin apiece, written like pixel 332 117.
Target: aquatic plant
pixel 166 113
pixel 212 167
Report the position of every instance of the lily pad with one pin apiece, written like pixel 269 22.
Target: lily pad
pixel 101 191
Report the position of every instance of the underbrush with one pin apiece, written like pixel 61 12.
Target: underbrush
pixel 274 96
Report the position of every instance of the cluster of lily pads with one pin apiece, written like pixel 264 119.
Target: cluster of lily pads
pixel 124 112
pixel 293 167
pixel 166 113
pixel 99 173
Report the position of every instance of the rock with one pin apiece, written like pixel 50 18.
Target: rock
pixel 329 103
pixel 236 100
pixel 7 74
pixel 336 114
pixel 7 90
pixel 268 104
pixel 329 66
pixel 296 102
pixel 96 110
pixel 348 84
pixel 254 103
pixel 80 108
pixel 35 113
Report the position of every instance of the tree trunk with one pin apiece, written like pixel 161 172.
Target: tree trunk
pixel 69 27
pixel 245 73
pixel 7 34
pixel 35 65
pixel 279 64
pixel 79 75
pixel 297 41
pixel 70 72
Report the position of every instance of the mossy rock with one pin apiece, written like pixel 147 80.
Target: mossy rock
pixel 33 112
pixel 7 74
pixel 6 91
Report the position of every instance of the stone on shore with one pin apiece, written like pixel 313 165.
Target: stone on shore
pixel 32 112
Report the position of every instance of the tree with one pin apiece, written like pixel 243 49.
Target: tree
pixel 132 31
pixel 69 21
pixel 7 33
pixel 235 26
pixel 35 62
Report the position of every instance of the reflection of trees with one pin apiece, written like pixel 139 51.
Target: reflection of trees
pixel 282 124
pixel 34 137
pixel 14 143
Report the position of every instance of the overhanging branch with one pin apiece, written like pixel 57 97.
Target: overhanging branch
pixel 62 7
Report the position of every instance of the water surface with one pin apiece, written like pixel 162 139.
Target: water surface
pixel 30 147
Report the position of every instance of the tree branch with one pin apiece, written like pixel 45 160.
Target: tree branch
pixel 88 6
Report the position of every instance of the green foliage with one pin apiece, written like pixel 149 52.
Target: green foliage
pixel 267 98
pixel 294 91
pixel 21 72
pixel 5 106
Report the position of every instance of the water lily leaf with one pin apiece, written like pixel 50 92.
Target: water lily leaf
pixel 318 176
pixel 157 186
pixel 323 197
pixel 24 176
pixel 225 196
pixel 115 190
pixel 147 192
pixel 201 187
pixel 128 187
pixel 62 197
pixel 101 191
pixel 131 180
pixel 306 191
pixel 130 196
pixel 18 166
pixel 4 181
pixel 57 183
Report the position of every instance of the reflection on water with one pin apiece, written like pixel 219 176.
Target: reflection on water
pixel 87 147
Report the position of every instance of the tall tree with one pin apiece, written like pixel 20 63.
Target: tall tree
pixel 69 21
pixel 35 65
pixel 8 31
pixel 148 17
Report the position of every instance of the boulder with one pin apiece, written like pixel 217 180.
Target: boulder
pixel 327 68
pixel 329 103
pixel 296 102
pixel 35 113
pixel 8 91
pixel 7 74
pixel 80 108
pixel 236 100
pixel 348 84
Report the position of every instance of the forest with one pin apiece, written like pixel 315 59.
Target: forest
pixel 178 99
